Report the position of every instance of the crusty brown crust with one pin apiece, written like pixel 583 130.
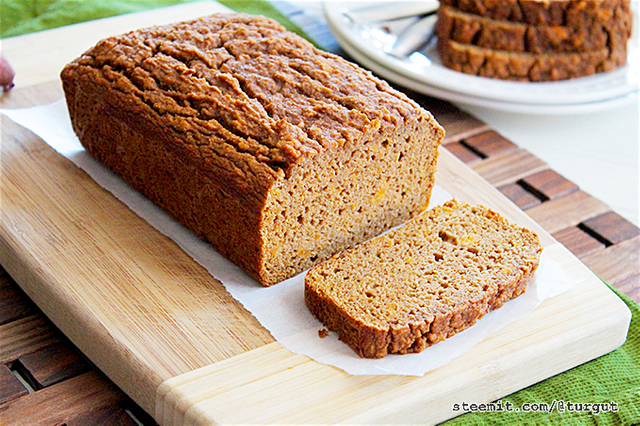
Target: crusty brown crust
pixel 420 284
pixel 524 66
pixel 373 342
pixel 579 13
pixel 493 34
pixel 227 122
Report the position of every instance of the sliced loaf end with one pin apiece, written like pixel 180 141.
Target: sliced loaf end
pixel 424 282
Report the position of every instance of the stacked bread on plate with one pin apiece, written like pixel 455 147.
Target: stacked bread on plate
pixel 533 40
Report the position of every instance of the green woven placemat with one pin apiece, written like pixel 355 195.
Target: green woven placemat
pixel 605 391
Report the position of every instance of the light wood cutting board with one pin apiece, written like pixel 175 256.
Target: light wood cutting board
pixel 170 336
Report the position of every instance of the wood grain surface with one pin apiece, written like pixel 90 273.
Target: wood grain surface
pixel 163 330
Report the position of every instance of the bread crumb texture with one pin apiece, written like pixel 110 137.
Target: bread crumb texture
pixel 278 154
pixel 423 282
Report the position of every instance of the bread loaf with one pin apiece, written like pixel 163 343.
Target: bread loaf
pixel 278 154
pixel 423 282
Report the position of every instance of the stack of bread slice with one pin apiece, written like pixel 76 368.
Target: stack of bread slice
pixel 533 40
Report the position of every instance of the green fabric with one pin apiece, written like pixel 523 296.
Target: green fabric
pixel 614 377
pixel 19 17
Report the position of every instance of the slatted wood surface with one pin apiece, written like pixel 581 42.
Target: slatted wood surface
pixel 45 380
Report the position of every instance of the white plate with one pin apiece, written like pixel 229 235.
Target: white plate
pixel 374 39
pixel 463 98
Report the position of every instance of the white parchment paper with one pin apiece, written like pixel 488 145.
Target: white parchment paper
pixel 281 308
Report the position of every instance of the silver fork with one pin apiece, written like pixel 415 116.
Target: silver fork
pixel 411 38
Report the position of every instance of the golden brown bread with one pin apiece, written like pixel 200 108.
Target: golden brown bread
pixel 493 34
pixel 524 66
pixel 278 154
pixel 423 282
pixel 533 40
pixel 578 13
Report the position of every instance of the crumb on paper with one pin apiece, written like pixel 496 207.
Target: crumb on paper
pixel 323 332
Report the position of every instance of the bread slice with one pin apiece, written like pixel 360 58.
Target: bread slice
pixel 575 13
pixel 422 283
pixel 278 154
pixel 493 34
pixel 525 66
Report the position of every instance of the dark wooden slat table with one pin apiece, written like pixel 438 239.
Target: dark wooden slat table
pixel 45 380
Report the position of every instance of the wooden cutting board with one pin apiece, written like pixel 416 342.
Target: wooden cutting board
pixel 169 334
